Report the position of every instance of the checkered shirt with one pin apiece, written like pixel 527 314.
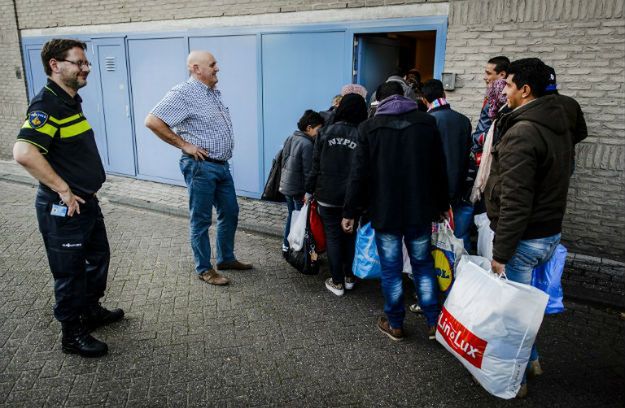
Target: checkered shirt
pixel 197 114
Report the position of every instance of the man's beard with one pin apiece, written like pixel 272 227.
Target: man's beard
pixel 74 83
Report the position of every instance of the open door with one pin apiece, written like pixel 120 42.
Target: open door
pixel 378 55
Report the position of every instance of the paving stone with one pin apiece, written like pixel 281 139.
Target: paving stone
pixel 272 338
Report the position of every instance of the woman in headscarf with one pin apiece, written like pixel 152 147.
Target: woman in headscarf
pixel 332 158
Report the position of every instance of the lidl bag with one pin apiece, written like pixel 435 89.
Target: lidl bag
pixel 548 278
pixel 490 324
pixel 366 263
pixel 446 251
pixel 299 220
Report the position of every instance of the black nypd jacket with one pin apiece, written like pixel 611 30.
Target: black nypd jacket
pixel 332 159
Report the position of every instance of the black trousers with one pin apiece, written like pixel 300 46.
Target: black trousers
pixel 339 245
pixel 78 254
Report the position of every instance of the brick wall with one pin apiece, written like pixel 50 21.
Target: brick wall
pixel 125 11
pixel 585 42
pixel 12 89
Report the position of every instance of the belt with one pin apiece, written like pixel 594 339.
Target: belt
pixel 208 159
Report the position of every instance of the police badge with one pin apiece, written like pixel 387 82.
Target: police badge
pixel 37 119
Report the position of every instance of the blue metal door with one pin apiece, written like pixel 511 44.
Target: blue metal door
pixel 301 71
pixel 238 82
pixel 111 57
pixel 156 65
pixel 376 59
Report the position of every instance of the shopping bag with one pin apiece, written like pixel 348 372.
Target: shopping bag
pixel 485 236
pixel 305 259
pixel 366 263
pixel 548 276
pixel 271 191
pixel 299 219
pixel 446 251
pixel 316 227
pixel 490 324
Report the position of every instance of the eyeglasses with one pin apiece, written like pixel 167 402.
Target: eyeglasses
pixel 79 64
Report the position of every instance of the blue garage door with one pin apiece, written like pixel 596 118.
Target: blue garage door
pixel 300 71
pixel 238 83
pixel 156 65
pixel 111 60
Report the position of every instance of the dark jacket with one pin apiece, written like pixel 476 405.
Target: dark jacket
pixel 332 159
pixel 296 163
pixel 575 116
pixel 529 177
pixel 400 163
pixel 455 131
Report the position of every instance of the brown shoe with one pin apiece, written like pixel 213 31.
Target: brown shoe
pixel 214 278
pixel 534 369
pixel 239 266
pixel 385 327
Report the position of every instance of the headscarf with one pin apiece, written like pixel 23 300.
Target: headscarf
pixel 352 109
pixel 496 99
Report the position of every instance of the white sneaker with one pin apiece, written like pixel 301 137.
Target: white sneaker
pixel 335 288
pixel 349 283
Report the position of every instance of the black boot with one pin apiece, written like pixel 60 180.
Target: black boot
pixel 77 340
pixel 96 316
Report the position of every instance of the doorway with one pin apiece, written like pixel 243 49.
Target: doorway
pixel 380 55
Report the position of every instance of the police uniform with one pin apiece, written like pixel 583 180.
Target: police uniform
pixel 77 247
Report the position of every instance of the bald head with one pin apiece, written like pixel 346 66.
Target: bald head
pixel 203 67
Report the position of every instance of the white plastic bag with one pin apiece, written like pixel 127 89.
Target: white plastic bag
pixel 485 236
pixel 298 228
pixel 490 324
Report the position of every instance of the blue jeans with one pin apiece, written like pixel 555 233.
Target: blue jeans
pixel 529 254
pixel 417 241
pixel 292 203
pixel 210 184
pixel 463 219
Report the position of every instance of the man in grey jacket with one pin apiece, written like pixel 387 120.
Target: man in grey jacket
pixel 296 165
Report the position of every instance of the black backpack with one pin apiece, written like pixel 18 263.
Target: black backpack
pixel 271 191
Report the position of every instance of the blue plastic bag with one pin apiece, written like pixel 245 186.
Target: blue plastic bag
pixel 548 276
pixel 366 259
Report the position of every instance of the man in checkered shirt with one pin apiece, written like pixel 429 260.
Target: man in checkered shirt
pixel 193 118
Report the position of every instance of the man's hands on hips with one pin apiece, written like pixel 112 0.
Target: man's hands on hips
pixel 498 268
pixel 192 150
pixel 348 225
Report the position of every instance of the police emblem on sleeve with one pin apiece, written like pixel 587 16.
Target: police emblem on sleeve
pixel 37 119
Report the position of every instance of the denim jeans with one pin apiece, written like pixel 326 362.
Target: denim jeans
pixel 463 219
pixel 210 184
pixel 417 241
pixel 529 254
pixel 339 245
pixel 293 203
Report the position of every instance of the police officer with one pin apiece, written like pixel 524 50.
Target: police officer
pixel 57 146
